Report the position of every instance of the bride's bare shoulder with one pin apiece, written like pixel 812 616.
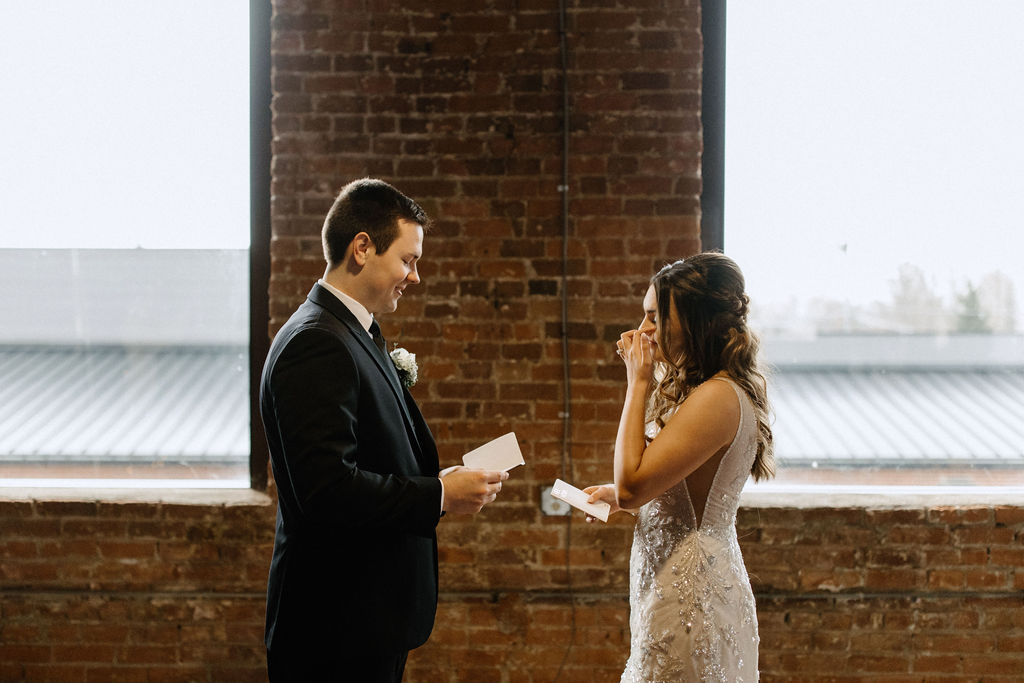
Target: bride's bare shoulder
pixel 716 393
pixel 711 407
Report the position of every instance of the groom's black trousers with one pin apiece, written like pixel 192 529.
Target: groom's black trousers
pixel 301 666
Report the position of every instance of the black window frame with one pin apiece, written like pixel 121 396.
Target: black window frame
pixel 259 229
pixel 712 113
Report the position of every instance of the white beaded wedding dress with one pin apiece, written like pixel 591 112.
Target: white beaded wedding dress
pixel 692 613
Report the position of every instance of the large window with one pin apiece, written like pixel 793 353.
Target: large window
pixel 873 198
pixel 124 242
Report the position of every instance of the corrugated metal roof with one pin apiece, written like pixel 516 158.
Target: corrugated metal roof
pixel 907 417
pixel 117 404
pixel 190 405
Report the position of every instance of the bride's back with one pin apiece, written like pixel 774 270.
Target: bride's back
pixel 719 481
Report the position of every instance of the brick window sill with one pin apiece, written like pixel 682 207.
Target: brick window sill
pixel 194 496
pixel 828 496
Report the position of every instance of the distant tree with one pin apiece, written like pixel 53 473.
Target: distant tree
pixel 915 308
pixel 970 318
pixel 832 316
pixel 998 298
pixel 779 318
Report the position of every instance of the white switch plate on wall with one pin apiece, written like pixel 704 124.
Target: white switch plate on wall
pixel 552 506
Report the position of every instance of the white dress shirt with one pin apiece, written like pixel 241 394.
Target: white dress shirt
pixel 364 317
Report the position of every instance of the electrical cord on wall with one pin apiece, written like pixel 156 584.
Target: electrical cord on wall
pixel 566 463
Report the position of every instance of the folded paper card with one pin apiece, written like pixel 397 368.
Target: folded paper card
pixel 502 454
pixel 578 499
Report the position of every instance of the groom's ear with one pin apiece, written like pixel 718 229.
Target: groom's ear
pixel 361 246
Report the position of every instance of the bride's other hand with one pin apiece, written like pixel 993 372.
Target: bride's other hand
pixel 604 493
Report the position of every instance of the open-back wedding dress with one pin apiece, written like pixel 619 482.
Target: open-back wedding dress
pixel 692 613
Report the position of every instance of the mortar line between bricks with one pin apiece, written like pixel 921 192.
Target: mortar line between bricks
pixel 902 595
pixel 498 592
pixel 135 594
pixel 532 595
pixel 873 595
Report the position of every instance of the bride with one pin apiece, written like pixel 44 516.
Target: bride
pixel 693 428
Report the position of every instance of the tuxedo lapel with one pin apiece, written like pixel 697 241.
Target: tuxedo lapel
pixel 322 297
pixel 428 451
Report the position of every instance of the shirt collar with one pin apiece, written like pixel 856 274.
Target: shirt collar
pixel 364 317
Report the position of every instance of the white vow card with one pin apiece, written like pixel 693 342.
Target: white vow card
pixel 578 499
pixel 501 454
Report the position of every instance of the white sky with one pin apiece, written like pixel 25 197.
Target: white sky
pixel 862 135
pixel 125 124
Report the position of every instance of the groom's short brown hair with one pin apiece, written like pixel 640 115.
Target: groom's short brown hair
pixel 371 206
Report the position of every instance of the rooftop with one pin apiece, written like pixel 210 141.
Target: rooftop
pixel 189 405
pixel 117 404
pixel 142 358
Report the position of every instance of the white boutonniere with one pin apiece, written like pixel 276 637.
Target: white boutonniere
pixel 405 363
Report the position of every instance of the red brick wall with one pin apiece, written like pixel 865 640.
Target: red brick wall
pixel 95 591
pixel 461 109
pixel 133 592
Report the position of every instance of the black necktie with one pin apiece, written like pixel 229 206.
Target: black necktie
pixel 378 338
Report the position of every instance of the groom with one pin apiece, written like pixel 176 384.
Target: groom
pixel 353 578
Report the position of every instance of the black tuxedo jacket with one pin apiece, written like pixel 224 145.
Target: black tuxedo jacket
pixel 355 552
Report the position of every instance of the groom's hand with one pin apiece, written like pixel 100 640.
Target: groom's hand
pixel 466 490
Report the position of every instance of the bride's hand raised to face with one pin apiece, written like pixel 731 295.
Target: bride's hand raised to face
pixel 636 349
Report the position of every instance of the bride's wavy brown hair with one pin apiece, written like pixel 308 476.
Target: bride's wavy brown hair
pixel 707 292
